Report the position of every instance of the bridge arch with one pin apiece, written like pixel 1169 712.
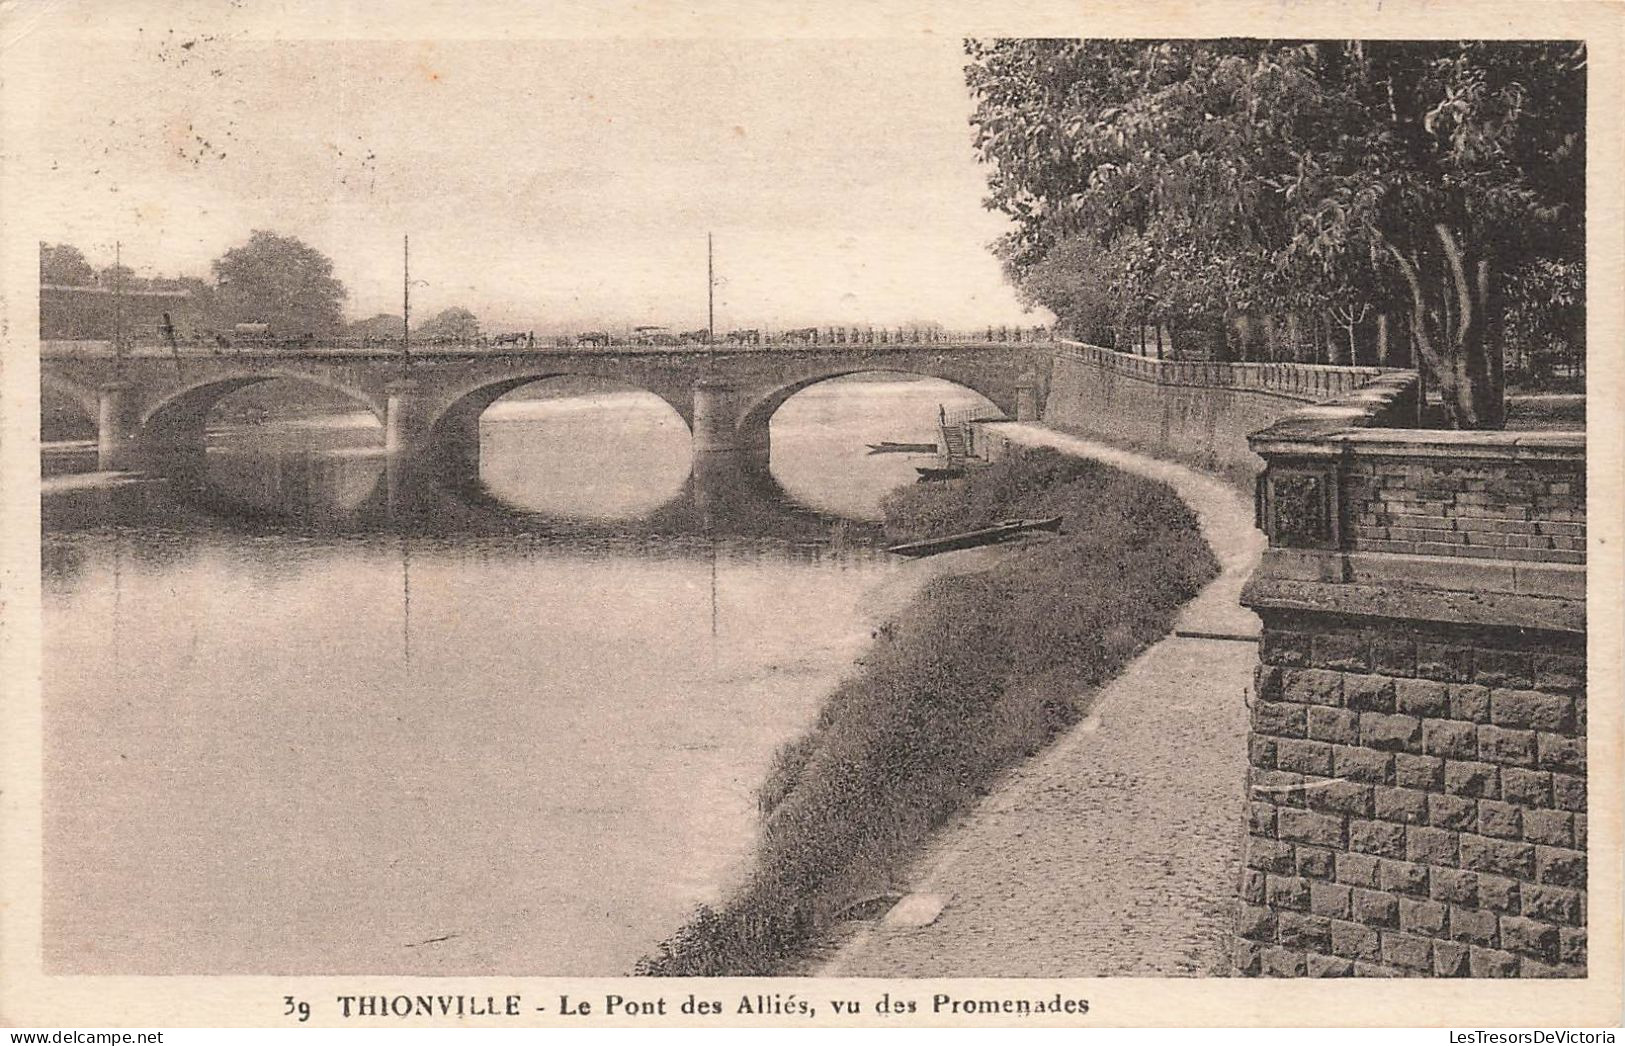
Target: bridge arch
pixel 755 418
pixel 190 404
pixel 87 400
pixel 449 426
pixel 171 434
pixel 467 405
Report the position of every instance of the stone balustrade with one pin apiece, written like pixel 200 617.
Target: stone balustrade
pixel 1308 382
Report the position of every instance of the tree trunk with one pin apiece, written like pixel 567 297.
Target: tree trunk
pixel 1453 302
pixel 1493 392
pixel 1227 343
pixel 1382 339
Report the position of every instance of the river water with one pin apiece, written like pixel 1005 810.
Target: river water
pixel 308 745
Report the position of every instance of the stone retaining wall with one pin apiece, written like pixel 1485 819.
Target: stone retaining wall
pixel 1201 410
pixel 1417 803
pixel 1417 797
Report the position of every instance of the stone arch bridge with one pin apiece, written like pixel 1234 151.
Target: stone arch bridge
pixel 152 406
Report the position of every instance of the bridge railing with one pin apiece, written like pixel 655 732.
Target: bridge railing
pixel 766 340
pixel 961 416
pixel 1308 382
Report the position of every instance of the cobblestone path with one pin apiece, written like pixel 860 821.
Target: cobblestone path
pixel 1117 850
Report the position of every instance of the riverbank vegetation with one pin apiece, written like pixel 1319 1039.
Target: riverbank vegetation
pixel 979 671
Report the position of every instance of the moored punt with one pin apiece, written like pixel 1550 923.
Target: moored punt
pixel 889 447
pixel 931 472
pixel 1010 528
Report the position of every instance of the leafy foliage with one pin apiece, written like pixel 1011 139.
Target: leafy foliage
pixel 457 324
pixel 63 264
pixel 281 281
pixel 1187 180
pixel 378 326
pixel 1545 321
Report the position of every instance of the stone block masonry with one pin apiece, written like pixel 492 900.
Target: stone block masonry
pixel 1417 801
pixel 1417 797
pixel 1491 508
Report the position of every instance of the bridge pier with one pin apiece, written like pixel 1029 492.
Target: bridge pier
pixel 730 455
pixel 114 450
pixel 718 425
pixel 1027 405
pixel 403 418
pixel 406 446
pixel 456 444
pixel 726 486
pixel 716 417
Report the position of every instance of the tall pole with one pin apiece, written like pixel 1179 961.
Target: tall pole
pixel 710 340
pixel 406 301
pixel 118 301
pixel 406 597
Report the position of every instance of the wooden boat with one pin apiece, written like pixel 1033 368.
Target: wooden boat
pixel 890 447
pixel 931 472
pixel 1005 531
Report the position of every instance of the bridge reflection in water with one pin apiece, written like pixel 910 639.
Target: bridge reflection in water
pixel 358 492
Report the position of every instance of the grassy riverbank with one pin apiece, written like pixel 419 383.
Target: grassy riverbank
pixel 979 671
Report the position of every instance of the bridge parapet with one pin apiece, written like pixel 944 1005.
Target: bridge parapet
pixel 391 348
pixel 1308 382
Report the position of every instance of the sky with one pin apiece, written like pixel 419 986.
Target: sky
pixel 542 182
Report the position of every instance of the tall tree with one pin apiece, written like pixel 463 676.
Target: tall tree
pixel 380 325
pixel 116 276
pixel 1293 176
pixel 456 323
pixel 64 265
pixel 281 281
